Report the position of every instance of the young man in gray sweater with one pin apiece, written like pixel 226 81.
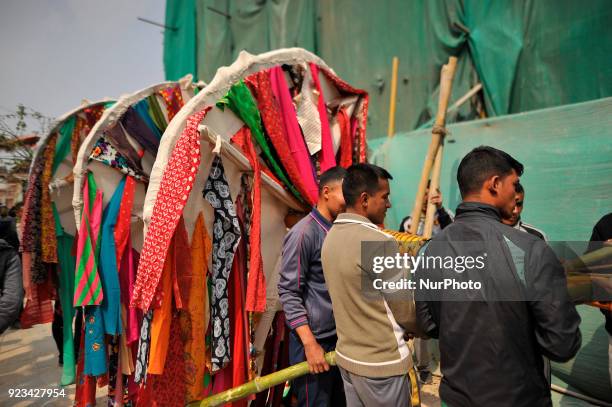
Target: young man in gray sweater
pixel 370 322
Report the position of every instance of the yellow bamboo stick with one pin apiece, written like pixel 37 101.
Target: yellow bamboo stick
pixel 261 383
pixel 393 97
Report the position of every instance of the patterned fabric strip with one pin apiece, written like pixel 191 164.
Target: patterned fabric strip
pixel 346 141
pixel 176 183
pixel 327 158
pixel 306 104
pixel 88 119
pixel 48 241
pixel 122 228
pixel 226 236
pixel 116 136
pixel 88 288
pixel 295 140
pixel 30 223
pixel 95 346
pixel 144 343
pixel 85 394
pixel 107 154
pixel 75 141
pixel 261 87
pixel 169 389
pixel 362 113
pixel 256 286
pixel 173 99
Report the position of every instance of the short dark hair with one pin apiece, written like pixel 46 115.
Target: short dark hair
pixel 362 178
pixel 331 175
pixel 481 163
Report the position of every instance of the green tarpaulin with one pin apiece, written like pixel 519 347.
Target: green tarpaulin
pixel 528 54
pixel 180 39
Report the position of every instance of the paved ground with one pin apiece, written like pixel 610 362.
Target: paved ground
pixel 429 393
pixel 28 360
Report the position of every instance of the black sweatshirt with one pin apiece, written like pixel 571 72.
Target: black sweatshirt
pixel 491 351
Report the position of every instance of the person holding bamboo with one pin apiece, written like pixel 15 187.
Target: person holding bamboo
pixel 305 299
pixel 442 218
pixel 371 323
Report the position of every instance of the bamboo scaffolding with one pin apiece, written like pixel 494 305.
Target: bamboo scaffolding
pixel 437 132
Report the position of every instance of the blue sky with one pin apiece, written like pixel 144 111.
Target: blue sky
pixel 57 52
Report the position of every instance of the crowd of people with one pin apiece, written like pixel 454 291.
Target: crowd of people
pixel 491 352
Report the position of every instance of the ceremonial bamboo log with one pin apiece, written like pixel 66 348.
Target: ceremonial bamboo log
pixel 579 280
pixel 261 383
pixel 446 82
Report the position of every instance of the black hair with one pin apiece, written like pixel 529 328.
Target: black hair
pixel 519 188
pixel 482 163
pixel 331 175
pixel 362 178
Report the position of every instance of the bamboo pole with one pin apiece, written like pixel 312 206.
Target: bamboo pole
pixel 433 187
pixel 580 396
pixel 455 105
pixel 579 280
pixel 588 259
pixel 393 97
pixel 261 383
pixel 446 82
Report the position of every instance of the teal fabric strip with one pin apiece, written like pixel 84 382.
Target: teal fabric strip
pixel 142 108
pixel 62 147
pixel 66 293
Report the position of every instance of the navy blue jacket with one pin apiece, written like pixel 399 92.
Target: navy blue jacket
pixel 301 288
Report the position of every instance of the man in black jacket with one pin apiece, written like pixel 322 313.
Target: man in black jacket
pixel 11 285
pixel 493 336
